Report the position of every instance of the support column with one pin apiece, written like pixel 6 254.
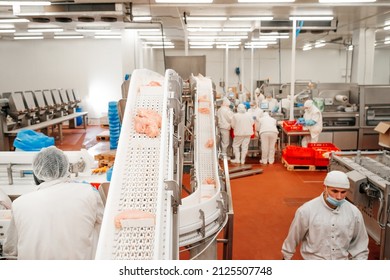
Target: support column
pixel 363 41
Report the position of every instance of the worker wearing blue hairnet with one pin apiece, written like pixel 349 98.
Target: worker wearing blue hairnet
pixel 225 115
pixel 312 120
pixel 268 135
pixel 242 123
pixel 328 227
pixel 61 220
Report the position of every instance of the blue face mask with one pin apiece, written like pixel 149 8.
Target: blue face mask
pixel 333 201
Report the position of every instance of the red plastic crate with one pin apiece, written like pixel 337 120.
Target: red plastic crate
pixel 292 126
pixel 322 152
pixel 296 155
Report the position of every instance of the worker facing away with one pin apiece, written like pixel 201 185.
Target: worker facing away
pixel 225 115
pixel 59 221
pixel 268 135
pixel 328 227
pixel 312 120
pixel 242 123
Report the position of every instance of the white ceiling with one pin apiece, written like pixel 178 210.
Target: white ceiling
pixel 347 18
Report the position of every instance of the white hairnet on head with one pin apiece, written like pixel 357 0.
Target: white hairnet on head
pixel 308 104
pixel 241 108
pixel 226 101
pixel 337 179
pixel 268 94
pixel 50 164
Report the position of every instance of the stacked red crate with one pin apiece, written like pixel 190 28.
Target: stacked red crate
pixel 322 152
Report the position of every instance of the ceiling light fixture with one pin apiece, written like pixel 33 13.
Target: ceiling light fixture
pixel 93 30
pixel 266 1
pixel 7 30
pixel 206 18
pixel 45 30
pixel 108 37
pixel 204 29
pixel 25 3
pixel 69 37
pixel 345 1
pixel 237 29
pixel 28 37
pixel 227 46
pixel 142 18
pixel 249 46
pixel 162 47
pixel 185 1
pixel 13 20
pixel 251 18
pixel 386 27
pixel 308 18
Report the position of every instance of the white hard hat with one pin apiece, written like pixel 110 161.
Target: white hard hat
pixel 337 179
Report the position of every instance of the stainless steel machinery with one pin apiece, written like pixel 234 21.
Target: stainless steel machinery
pixel 340 114
pixel 374 108
pixel 369 175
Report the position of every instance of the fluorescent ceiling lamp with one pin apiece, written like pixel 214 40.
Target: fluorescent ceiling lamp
pixel 228 43
pixel 319 45
pixel 263 37
pixel 69 37
pixel 7 30
pixel 201 47
pixel 93 30
pixel 307 48
pixel 158 43
pixel 201 43
pixel 345 1
pixel 25 3
pixel 266 1
pixel 387 42
pixel 215 18
pixel 350 48
pixel 108 37
pixel 204 29
pixel 185 1
pixel 28 37
pixel 325 18
pixel 260 18
pixel 207 37
pixel 387 27
pixel 256 47
pixel 259 43
pixel 8 20
pixel 227 47
pixel 152 37
pixel 273 33
pixel 45 30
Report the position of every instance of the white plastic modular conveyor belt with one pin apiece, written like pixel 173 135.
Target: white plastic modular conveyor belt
pixel 137 183
pixel 201 213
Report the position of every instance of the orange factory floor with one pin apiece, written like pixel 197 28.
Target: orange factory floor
pixel 263 204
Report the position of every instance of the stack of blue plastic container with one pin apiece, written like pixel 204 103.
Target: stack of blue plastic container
pixel 114 124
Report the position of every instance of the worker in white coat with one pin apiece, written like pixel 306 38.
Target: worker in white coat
pixel 269 103
pixel 328 227
pixel 225 115
pixel 268 135
pixel 5 201
pixel 61 220
pixel 312 120
pixel 242 123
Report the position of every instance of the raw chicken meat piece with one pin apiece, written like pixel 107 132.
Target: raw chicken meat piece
pixel 147 122
pixel 204 110
pixel 209 181
pixel 154 84
pixel 203 98
pixel 209 143
pixel 132 214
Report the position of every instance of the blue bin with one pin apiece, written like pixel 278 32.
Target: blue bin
pixel 32 141
pixel 79 120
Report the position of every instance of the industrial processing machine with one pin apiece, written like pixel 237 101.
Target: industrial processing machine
pixel 369 175
pixel 147 177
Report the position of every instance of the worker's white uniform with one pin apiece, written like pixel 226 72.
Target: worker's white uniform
pixel 272 104
pixel 256 114
pixel 313 113
pixel 326 233
pixel 268 135
pixel 5 201
pixel 60 221
pixel 225 116
pixel 242 123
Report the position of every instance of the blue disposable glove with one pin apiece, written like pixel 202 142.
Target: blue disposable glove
pixel 301 121
pixel 275 109
pixel 310 123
